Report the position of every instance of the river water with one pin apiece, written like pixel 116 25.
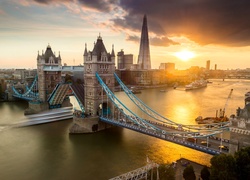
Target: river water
pixel 48 151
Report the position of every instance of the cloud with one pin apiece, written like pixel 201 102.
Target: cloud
pixel 224 22
pixel 154 41
pixel 98 5
pixel 221 22
pixel 2 12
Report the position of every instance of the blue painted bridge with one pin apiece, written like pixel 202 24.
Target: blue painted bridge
pixel 156 125
pixel 192 136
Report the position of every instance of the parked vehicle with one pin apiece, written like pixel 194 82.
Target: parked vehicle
pixel 225 148
pixel 205 143
pixel 193 140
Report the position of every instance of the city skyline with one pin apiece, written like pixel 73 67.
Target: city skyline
pixel 211 30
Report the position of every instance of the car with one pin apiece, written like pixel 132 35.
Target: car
pixel 205 143
pixel 193 140
pixel 225 148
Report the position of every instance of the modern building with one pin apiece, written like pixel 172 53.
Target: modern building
pixel 144 61
pixel 208 65
pixel 169 67
pixel 124 61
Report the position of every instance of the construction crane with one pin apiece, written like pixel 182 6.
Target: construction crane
pixel 222 112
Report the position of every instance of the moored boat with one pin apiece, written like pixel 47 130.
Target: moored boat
pixel 210 120
pixel 196 85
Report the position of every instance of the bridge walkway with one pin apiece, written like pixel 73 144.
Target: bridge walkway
pixel 78 91
pixel 213 150
pixel 59 95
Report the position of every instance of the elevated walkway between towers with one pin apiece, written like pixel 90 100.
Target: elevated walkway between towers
pixel 58 95
pixel 78 91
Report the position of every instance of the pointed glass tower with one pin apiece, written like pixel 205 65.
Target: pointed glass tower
pixel 144 61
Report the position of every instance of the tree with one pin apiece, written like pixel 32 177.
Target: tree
pixel 205 174
pixel 166 172
pixel 1 91
pixel 188 173
pixel 242 159
pixel 223 167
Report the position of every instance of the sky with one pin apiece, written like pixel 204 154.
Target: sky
pixel 215 30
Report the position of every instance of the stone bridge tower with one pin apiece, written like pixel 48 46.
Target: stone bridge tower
pixel 49 73
pixel 95 98
pixel 102 62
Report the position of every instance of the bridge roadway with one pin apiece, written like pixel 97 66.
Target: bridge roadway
pixel 211 148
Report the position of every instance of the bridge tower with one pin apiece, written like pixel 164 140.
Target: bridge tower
pixel 95 99
pixel 104 64
pixel 49 75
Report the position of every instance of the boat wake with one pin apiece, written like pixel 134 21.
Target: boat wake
pixel 4 127
pixel 41 118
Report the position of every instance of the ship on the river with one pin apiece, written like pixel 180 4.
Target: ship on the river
pixel 219 117
pixel 196 85
pixel 211 120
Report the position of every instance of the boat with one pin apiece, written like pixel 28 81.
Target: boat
pixel 162 90
pixel 135 90
pixel 196 85
pixel 219 117
pixel 211 120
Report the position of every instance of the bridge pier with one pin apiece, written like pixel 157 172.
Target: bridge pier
pixel 37 106
pixel 89 124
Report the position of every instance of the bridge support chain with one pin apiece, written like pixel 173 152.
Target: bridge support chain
pixel 87 124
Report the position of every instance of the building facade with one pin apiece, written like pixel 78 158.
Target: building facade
pixel 124 61
pixel 49 73
pixel 100 61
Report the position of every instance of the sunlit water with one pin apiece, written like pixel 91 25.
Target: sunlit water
pixel 49 152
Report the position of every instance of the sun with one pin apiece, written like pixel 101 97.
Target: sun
pixel 185 55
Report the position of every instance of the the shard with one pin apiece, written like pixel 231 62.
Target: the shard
pixel 144 61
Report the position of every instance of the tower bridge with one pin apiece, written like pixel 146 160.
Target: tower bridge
pixel 101 109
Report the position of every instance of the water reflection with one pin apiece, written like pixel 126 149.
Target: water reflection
pixel 49 152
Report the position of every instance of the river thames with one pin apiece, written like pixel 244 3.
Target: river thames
pixel 48 151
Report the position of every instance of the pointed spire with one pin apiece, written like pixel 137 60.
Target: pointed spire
pixel 113 52
pixel 99 37
pixel 37 55
pixel 59 56
pixel 85 51
pixel 144 52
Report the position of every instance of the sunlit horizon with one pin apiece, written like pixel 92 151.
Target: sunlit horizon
pixel 185 55
pixel 27 27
